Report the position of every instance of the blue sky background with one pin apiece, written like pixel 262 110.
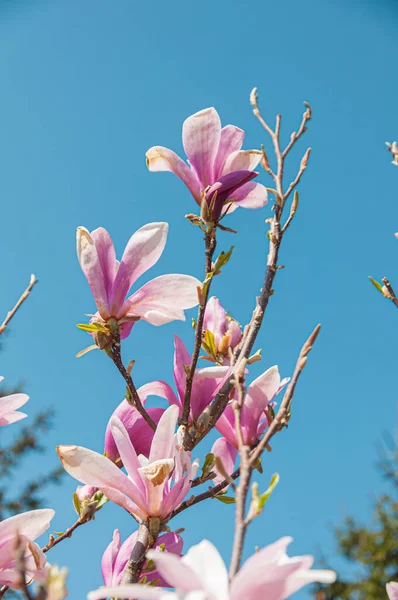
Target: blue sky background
pixel 86 89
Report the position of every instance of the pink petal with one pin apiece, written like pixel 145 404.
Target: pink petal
pixel 12 417
pixel 250 195
pixel 158 388
pixel 163 299
pixel 234 329
pixel 182 359
pixel 30 524
pixel 231 141
pixel 226 425
pixel 303 577
pixel 227 453
pixel 129 592
pixel 124 501
pixel 215 319
pixel 143 250
pixel 201 135
pixel 12 402
pixel 173 569
pixel 244 160
pixel 207 564
pixel 95 469
pixel 392 590
pixel 128 456
pixel 159 158
pixel 140 433
pixel 163 441
pixel 109 558
pixel 107 257
pixel 91 267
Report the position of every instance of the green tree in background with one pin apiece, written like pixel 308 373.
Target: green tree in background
pixel 372 550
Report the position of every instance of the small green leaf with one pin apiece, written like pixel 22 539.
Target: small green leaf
pixel 377 285
pixel 92 327
pixel 258 466
pixel 59 533
pixel 225 499
pixel 208 464
pixel 264 497
pixel 76 503
pixel 222 260
pixel 209 342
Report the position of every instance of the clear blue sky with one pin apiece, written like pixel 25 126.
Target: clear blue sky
pixel 86 89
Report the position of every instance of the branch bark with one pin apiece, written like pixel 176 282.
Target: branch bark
pixel 22 299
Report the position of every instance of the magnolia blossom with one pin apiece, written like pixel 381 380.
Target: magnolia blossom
pixel 117 555
pixel 52 583
pixel 153 486
pixel 29 526
pixel 85 492
pixel 221 333
pixel 218 169
pixel 140 433
pixel 202 575
pixel 392 590
pixel 259 395
pixel 8 404
pixel 159 301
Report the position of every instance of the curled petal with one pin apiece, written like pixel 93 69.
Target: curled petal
pixel 164 299
pixel 159 158
pixel 250 195
pixel 244 160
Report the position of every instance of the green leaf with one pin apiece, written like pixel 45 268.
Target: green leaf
pixel 92 327
pixel 222 260
pixel 258 466
pixel 264 497
pixel 377 285
pixel 225 499
pixel 76 503
pixel 209 342
pixel 59 533
pixel 208 464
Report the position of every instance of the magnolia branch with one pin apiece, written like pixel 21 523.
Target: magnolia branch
pixel 134 566
pixel 390 292
pixel 250 459
pixel 275 236
pixel 22 299
pixel 115 354
pixel 210 244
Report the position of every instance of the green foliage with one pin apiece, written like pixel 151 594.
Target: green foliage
pixel 372 550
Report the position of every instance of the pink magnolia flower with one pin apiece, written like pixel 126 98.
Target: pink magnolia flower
pixel 225 332
pixel 8 404
pixel 392 590
pixel 259 395
pixel 215 159
pixel 202 575
pixel 85 492
pixel 153 486
pixel 140 433
pixel 29 526
pixel 116 556
pixel 159 301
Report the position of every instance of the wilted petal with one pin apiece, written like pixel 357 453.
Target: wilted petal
pixel 159 158
pixel 227 454
pixel 163 299
pixel 201 135
pixel 250 195
pixel 143 250
pixel 91 267
pixel 231 141
pixel 244 160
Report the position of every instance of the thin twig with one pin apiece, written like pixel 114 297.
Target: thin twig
pixel 391 294
pixel 134 566
pixel 22 299
pixel 210 245
pixel 115 354
pixel 67 534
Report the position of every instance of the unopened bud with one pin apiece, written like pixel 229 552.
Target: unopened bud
pixel 305 159
pixel 225 343
pixel 203 420
pixel 254 97
pixel 265 162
